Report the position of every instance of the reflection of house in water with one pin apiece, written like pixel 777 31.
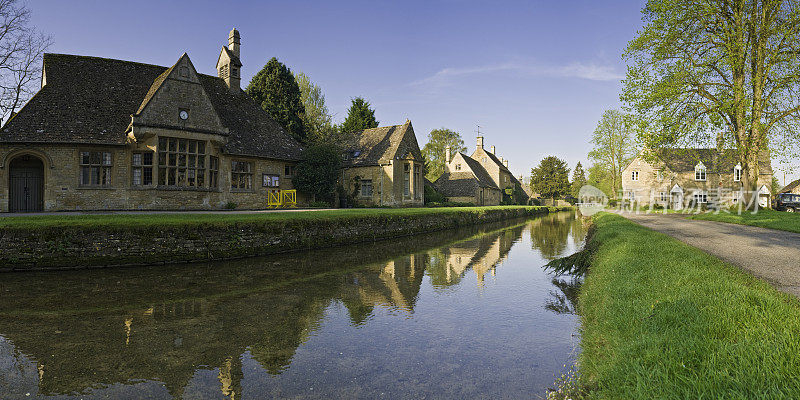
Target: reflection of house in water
pixel 170 342
pixel 550 234
pixel 482 255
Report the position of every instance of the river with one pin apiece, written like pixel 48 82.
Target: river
pixel 467 313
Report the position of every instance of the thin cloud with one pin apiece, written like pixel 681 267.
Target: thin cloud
pixel 576 70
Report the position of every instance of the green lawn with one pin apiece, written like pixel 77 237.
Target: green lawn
pixel 661 319
pixel 765 218
pixel 222 218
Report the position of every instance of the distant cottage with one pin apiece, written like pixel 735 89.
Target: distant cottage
pixel 110 134
pixel 481 179
pixel 683 177
pixel 384 167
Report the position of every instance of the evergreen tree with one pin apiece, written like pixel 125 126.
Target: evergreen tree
pixel 434 150
pixel 359 117
pixel 276 90
pixel 551 178
pixel 578 179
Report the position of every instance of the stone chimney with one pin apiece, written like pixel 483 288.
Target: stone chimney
pixel 234 42
pixel 505 162
pixel 228 64
pixel 447 154
pixel 480 142
pixel 493 149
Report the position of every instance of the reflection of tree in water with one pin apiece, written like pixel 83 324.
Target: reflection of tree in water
pixel 564 300
pixel 550 234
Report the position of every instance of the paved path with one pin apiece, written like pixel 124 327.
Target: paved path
pixel 766 253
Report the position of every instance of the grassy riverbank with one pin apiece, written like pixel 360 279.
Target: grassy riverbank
pixel 69 241
pixel 662 319
pixel 764 218
pixel 166 219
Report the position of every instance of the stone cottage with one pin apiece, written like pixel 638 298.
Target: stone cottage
pixel 681 177
pixel 106 134
pixel 384 167
pixel 481 178
pixel 793 187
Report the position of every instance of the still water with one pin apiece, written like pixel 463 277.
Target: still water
pixel 466 313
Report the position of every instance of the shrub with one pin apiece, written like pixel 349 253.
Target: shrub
pixel 230 205
pixel 319 204
pixel 433 196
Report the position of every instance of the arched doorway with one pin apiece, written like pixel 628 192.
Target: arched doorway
pixel 26 184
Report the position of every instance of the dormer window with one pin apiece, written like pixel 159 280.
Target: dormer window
pixel 635 175
pixel 700 172
pixel 458 167
pixel 737 173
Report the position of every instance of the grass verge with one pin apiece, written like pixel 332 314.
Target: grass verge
pixel 764 218
pixel 166 220
pixel 661 319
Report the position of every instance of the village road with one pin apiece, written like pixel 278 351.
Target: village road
pixel 769 254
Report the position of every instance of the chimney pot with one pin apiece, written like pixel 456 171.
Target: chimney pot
pixel 447 154
pixel 480 142
pixel 234 42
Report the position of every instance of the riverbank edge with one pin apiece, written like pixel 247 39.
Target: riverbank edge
pixel 662 319
pixel 76 246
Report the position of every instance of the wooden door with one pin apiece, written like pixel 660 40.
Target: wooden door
pixel 26 185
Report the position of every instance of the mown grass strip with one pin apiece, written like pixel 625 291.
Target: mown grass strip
pixel 220 218
pixel 764 218
pixel 661 319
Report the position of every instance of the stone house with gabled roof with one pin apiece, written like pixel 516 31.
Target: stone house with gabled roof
pixel 792 187
pixel 384 167
pixel 482 178
pixel 683 177
pixel 465 180
pixel 105 134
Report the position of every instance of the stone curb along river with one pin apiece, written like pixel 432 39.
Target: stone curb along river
pixel 83 247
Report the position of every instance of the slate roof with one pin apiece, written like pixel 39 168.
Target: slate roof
pixel 90 100
pixel 790 187
pixel 377 145
pixel 497 161
pixel 685 159
pixel 464 183
pixel 484 179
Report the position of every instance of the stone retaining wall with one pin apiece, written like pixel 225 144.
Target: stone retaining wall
pixel 87 247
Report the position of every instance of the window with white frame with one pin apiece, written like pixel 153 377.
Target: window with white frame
pixel 631 195
pixel 458 167
pixel 659 175
pixel 95 168
pixel 663 197
pixel 700 172
pixel 700 197
pixel 635 175
pixel 737 173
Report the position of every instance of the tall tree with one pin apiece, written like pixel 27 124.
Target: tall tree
pixel 21 49
pixel 600 177
pixel 551 178
pixel 578 179
pixel 359 117
pixel 316 119
pixel 613 144
pixel 717 71
pixel 434 150
pixel 276 90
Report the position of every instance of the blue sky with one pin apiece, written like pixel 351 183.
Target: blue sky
pixel 536 75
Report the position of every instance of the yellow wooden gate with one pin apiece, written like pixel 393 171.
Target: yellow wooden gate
pixel 282 198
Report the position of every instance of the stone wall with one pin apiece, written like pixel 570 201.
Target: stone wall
pixel 76 247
